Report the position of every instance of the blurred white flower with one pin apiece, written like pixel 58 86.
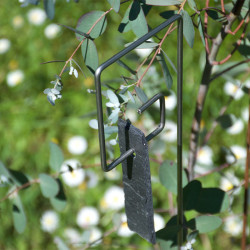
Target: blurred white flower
pixel 77 145
pixel 124 230
pixel 15 77
pixel 233 225
pixel 72 235
pixel 17 22
pixel 204 156
pixel 95 234
pixel 52 30
pixel 49 221
pixel 113 142
pixel 238 151
pixel 170 131
pixel 114 198
pixel 87 216
pixel 71 174
pixel 159 222
pixel 112 175
pixel 170 101
pixel 91 178
pixel 72 70
pixel 188 246
pixel 233 90
pixel 4 45
pixel 245 114
pixel 247 84
pixel 229 181
pixel 236 128
pixel 36 16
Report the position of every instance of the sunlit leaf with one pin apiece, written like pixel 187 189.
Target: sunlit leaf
pixel 48 185
pixel 112 97
pixel 192 4
pixel 125 24
pixel 204 223
pixel 18 214
pixel 88 20
pixel 111 129
pixel 188 28
pixel 56 157
pixel 93 124
pixel 90 55
pixel 168 176
pixel 145 45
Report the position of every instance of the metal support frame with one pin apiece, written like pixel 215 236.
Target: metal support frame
pixel 112 60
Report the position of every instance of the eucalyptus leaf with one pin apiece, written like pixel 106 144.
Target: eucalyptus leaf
pixel 162 2
pixel 141 95
pixel 168 176
pixel 200 28
pixel 115 5
pixel 192 4
pixel 18 214
pixel 4 171
pixel 216 15
pixel 56 157
pixel 86 21
pixel 112 97
pixel 167 14
pixel 145 45
pixel 49 6
pixel 93 124
pixel 125 24
pixel 131 97
pixel 48 185
pixel 188 28
pixel 205 223
pixel 59 201
pixel 90 55
pixel 110 129
pixel 166 74
pixel 169 60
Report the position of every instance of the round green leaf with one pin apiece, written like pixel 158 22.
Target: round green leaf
pixel 90 55
pixel 59 202
pixel 168 176
pixel 48 185
pixel 115 4
pixel 87 21
pixel 188 28
pixel 56 157
pixel 205 223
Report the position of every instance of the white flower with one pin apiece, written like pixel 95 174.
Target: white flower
pixel 204 156
pixel 36 16
pixel 238 151
pixel 15 77
pixel 95 234
pixel 236 128
pixel 170 131
pixel 77 145
pixel 229 181
pixel 71 174
pixel 73 70
pixel 91 178
pixel 87 216
pixel 112 174
pixel 233 225
pixel 72 235
pixel 49 221
pixel 52 30
pixel 124 230
pixel 245 114
pixel 114 198
pixel 233 90
pixel 159 222
pixel 17 22
pixel 170 101
pixel 4 45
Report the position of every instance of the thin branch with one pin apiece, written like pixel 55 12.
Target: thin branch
pixel 222 5
pixel 205 28
pixel 228 69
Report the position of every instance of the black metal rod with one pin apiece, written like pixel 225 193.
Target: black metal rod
pixel 162 114
pixel 106 64
pixel 179 130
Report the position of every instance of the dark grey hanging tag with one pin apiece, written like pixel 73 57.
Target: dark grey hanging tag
pixel 137 181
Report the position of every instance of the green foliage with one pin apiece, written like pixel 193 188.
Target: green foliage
pixel 49 186
pixel 49 7
pixel 162 2
pixel 141 95
pixel 56 157
pixel 188 28
pixel 59 201
pixel 115 4
pixel 168 176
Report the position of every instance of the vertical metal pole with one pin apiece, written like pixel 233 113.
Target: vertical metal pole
pixel 179 131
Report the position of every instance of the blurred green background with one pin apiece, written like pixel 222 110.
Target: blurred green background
pixel 28 122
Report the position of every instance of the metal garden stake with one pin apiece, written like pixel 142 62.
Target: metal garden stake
pixel 133 145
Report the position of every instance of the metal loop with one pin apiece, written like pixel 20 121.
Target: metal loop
pixel 162 114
